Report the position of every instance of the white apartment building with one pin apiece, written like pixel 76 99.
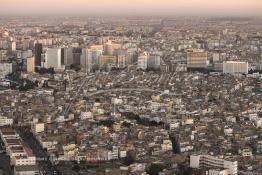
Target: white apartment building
pixel 89 58
pixel 207 161
pixel 23 160
pixel 142 61
pixel 231 67
pixel 4 121
pixel 52 58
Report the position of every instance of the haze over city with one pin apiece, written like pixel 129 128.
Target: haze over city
pixel 134 7
pixel 130 87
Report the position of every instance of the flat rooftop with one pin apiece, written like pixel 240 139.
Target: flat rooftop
pixel 8 131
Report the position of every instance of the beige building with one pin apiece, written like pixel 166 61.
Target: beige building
pixel 197 59
pixel 231 67
pixel 97 47
pixel 30 64
pixel 105 60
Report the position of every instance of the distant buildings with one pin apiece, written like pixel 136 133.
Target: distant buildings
pixel 110 47
pixel 67 54
pixel 71 55
pixel 38 53
pixel 154 61
pixel 12 46
pixel 197 59
pixel 121 59
pixel 109 50
pixel 106 60
pixel 142 61
pixel 30 64
pixel 89 58
pixel 232 67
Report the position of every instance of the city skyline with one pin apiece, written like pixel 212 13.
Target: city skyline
pixel 135 7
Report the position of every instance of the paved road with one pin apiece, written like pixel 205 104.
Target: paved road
pixel 5 164
pixel 44 164
pixel 5 161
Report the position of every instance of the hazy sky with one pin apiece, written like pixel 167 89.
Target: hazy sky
pixel 135 7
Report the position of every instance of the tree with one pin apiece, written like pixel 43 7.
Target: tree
pixel 154 169
pixel 184 170
pixel 130 158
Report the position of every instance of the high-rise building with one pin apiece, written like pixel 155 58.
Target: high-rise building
pixel 62 56
pixel 71 55
pixel 77 52
pixel 142 61
pixel 109 50
pixel 197 59
pixel 52 58
pixel 121 61
pixel 38 53
pixel 232 67
pixel 89 58
pixel 110 47
pixel 12 46
pixel 26 42
pixel 30 64
pixel 106 60
pixel 216 57
pixel 68 56
pixel 131 56
pixel 86 59
pixel 154 61
pixel 121 58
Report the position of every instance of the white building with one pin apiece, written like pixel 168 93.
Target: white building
pixel 5 69
pixel 26 170
pixel 207 161
pixel 38 127
pixel 142 61
pixel 4 121
pixel 231 67
pixel 89 58
pixel 217 172
pixel 52 58
pixel 167 145
pixel 23 160
pixel 113 155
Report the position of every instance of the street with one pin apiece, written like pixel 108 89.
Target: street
pixel 44 164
